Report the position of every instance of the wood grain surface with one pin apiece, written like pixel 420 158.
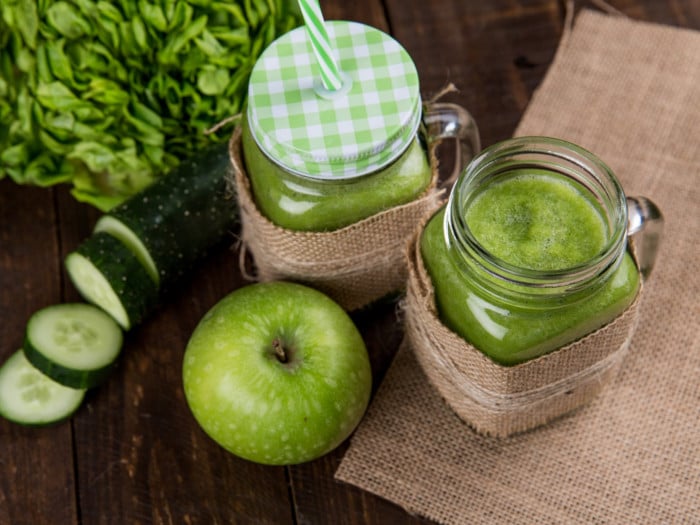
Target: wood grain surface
pixel 133 453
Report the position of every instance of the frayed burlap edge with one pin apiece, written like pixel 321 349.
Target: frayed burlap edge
pixel 355 265
pixel 501 400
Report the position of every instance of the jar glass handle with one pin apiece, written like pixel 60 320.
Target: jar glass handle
pixel 645 225
pixel 444 120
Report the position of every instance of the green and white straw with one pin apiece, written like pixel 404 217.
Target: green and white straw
pixel 321 44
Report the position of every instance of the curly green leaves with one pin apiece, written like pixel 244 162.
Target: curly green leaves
pixel 110 95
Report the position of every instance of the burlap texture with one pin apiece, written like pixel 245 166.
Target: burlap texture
pixel 355 265
pixel 501 400
pixel 629 92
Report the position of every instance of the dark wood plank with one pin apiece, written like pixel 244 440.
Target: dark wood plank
pixel 140 455
pixel 494 52
pixel 370 12
pixel 37 483
pixel 497 52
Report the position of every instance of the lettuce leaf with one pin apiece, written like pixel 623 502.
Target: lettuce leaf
pixel 109 96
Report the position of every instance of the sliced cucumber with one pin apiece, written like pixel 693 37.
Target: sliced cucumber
pixel 74 344
pixel 118 229
pixel 108 274
pixel 174 222
pixel 31 398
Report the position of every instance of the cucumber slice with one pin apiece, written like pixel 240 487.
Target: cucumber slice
pixel 29 397
pixel 176 220
pixel 108 274
pixel 118 229
pixel 74 344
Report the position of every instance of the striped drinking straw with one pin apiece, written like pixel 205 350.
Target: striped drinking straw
pixel 316 29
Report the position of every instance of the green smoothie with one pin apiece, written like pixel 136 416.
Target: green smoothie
pixel 533 220
pixel 298 203
pixel 537 221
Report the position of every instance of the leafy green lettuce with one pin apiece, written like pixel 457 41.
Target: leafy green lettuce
pixel 109 95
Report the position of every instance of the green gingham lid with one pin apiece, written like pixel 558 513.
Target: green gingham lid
pixel 361 128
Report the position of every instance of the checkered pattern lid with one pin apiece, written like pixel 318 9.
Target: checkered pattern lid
pixel 359 129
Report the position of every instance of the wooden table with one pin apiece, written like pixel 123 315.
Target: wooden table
pixel 133 453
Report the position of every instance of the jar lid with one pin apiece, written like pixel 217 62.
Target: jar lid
pixel 356 130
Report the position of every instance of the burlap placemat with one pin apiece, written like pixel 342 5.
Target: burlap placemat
pixel 630 92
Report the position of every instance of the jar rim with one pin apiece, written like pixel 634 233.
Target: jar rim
pixel 558 156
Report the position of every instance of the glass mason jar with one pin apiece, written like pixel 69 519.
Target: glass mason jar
pixel 320 160
pixel 530 252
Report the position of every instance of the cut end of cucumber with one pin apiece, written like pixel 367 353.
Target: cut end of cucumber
pixel 95 288
pixel 29 397
pixel 121 231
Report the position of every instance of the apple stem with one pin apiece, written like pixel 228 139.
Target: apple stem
pixel 280 352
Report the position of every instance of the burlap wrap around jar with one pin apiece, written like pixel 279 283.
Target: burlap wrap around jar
pixel 354 265
pixel 499 400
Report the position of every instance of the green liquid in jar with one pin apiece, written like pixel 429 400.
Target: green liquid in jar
pixel 303 204
pixel 536 221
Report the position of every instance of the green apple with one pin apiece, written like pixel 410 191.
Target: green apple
pixel 277 373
